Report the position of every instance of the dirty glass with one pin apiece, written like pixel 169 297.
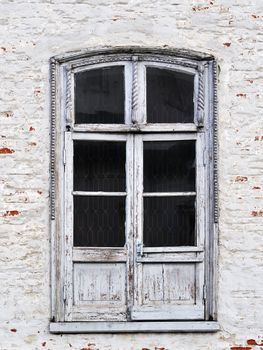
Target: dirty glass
pixel 169 221
pixel 169 166
pixel 169 96
pixel 99 96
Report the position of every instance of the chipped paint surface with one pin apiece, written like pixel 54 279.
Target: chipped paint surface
pixel 31 32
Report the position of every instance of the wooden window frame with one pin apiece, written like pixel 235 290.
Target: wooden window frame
pixel 63 129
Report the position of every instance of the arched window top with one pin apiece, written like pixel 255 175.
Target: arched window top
pixel 133 190
pixel 135 87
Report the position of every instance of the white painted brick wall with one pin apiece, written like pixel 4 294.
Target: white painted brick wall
pixel 31 32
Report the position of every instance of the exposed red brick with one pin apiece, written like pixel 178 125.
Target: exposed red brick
pixel 31 128
pixel 241 94
pixel 241 179
pixel 6 150
pixel 11 213
pixel 253 342
pixel 257 213
pixel 44 343
pixel 32 143
pixel 240 348
pixel 258 138
pixel 13 330
pixel 227 44
pixel 200 8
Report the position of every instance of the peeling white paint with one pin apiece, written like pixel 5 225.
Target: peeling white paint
pixel 32 32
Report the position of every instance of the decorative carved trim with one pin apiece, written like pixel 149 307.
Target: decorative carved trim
pixel 135 94
pixel 215 140
pixel 68 97
pixel 134 50
pixel 167 59
pixel 128 57
pixel 201 98
pixel 53 135
pixel 101 59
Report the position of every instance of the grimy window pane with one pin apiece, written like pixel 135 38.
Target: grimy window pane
pixel 169 96
pixel 169 166
pixel 99 221
pixel 99 166
pixel 169 221
pixel 99 96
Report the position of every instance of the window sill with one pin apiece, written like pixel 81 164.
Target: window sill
pixel 134 327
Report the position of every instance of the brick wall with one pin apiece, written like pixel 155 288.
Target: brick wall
pixel 31 32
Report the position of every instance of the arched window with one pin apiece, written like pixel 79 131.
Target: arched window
pixel 133 195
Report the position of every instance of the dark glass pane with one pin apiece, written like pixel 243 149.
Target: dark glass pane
pixel 169 96
pixel 99 166
pixel 99 96
pixel 99 221
pixel 169 166
pixel 169 221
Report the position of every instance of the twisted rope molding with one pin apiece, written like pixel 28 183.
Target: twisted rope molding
pixel 200 98
pixel 135 94
pixel 53 135
pixel 68 96
pixel 215 140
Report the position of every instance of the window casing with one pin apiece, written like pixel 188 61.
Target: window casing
pixel 144 173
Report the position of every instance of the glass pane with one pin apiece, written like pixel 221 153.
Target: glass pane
pixel 99 166
pixel 169 166
pixel 99 221
pixel 99 96
pixel 169 96
pixel 169 221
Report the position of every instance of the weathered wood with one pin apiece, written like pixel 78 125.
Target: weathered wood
pixel 136 128
pixel 141 268
pixel 168 194
pixel 176 312
pixel 102 255
pixel 179 54
pixel 100 193
pixel 133 327
pixel 180 249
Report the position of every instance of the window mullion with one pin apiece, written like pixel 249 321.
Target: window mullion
pixel 130 217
